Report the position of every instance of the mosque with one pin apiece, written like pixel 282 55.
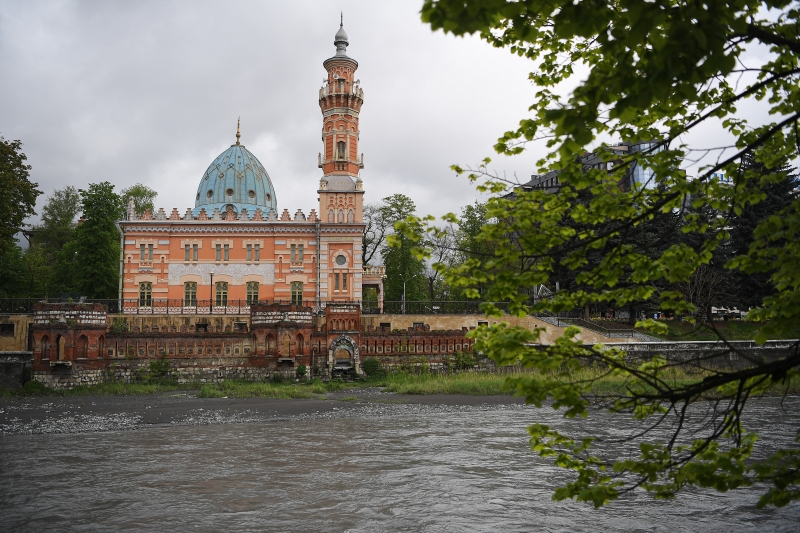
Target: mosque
pixel 234 247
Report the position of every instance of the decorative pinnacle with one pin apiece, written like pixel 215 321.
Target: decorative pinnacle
pixel 238 132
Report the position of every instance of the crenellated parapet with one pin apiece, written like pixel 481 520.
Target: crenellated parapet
pixel 244 215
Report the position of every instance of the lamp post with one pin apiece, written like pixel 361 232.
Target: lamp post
pixel 404 290
pixel 211 294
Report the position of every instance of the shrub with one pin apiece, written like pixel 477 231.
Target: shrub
pixel 372 367
pixel 464 360
pixel 119 326
pixel 160 368
pixel 278 378
pixel 301 371
pixel 34 388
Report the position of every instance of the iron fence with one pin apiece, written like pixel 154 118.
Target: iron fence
pixel 431 308
pixel 154 306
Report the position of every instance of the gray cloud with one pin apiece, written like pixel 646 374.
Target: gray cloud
pixel 150 92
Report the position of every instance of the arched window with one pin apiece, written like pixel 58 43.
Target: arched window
pixel 270 344
pixel 351 216
pixel 300 344
pixel 221 294
pixel 45 347
pixel 190 294
pixel 341 215
pixel 340 147
pixel 82 348
pixel 145 294
pixel 287 346
pixel 297 293
pixel 61 342
pixel 330 216
pixel 252 292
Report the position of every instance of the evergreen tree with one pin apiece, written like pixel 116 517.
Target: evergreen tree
pixel 780 189
pixel 97 242
pixel 402 265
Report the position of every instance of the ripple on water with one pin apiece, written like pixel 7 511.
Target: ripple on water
pixel 391 468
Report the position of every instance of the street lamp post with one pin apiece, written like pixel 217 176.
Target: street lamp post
pixel 211 294
pixel 404 290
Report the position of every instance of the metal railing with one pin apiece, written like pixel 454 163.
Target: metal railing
pixel 608 332
pixel 429 308
pixel 154 306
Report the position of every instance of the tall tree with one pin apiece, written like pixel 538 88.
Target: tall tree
pixel 97 242
pixel 49 244
pixel 780 189
pixel 59 219
pixel 19 194
pixel 648 70
pixel 405 272
pixel 143 198
pixel 375 232
pixel 12 272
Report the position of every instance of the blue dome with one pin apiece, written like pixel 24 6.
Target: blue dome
pixel 236 179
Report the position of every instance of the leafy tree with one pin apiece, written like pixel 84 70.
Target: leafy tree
pixel 648 70
pixel 400 261
pixel 97 250
pixel 12 271
pixel 18 193
pixel 142 196
pixel 59 219
pixel 54 270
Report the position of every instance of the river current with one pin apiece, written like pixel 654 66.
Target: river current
pixel 400 469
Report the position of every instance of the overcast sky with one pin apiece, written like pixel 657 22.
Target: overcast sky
pixel 150 92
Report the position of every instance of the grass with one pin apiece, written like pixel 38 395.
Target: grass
pixel 34 388
pixel 483 384
pixel 734 330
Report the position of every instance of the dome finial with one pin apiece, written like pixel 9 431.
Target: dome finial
pixel 340 41
pixel 238 132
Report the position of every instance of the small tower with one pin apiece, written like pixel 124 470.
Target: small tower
pixel 340 192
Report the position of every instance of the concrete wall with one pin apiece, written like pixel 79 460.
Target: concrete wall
pixel 14 332
pixel 15 369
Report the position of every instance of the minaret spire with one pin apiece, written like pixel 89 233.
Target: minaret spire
pixel 238 131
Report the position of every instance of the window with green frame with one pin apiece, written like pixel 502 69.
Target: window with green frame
pixel 221 294
pixel 252 292
pixel 190 294
pixel 145 294
pixel 297 293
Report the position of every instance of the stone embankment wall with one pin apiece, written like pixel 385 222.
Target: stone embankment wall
pixel 715 354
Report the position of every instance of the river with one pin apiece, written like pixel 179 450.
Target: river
pixel 387 468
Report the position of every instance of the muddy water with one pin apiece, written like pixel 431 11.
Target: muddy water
pixel 403 468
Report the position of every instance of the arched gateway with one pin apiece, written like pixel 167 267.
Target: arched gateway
pixel 343 354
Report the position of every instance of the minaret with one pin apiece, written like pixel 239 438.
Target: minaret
pixel 340 100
